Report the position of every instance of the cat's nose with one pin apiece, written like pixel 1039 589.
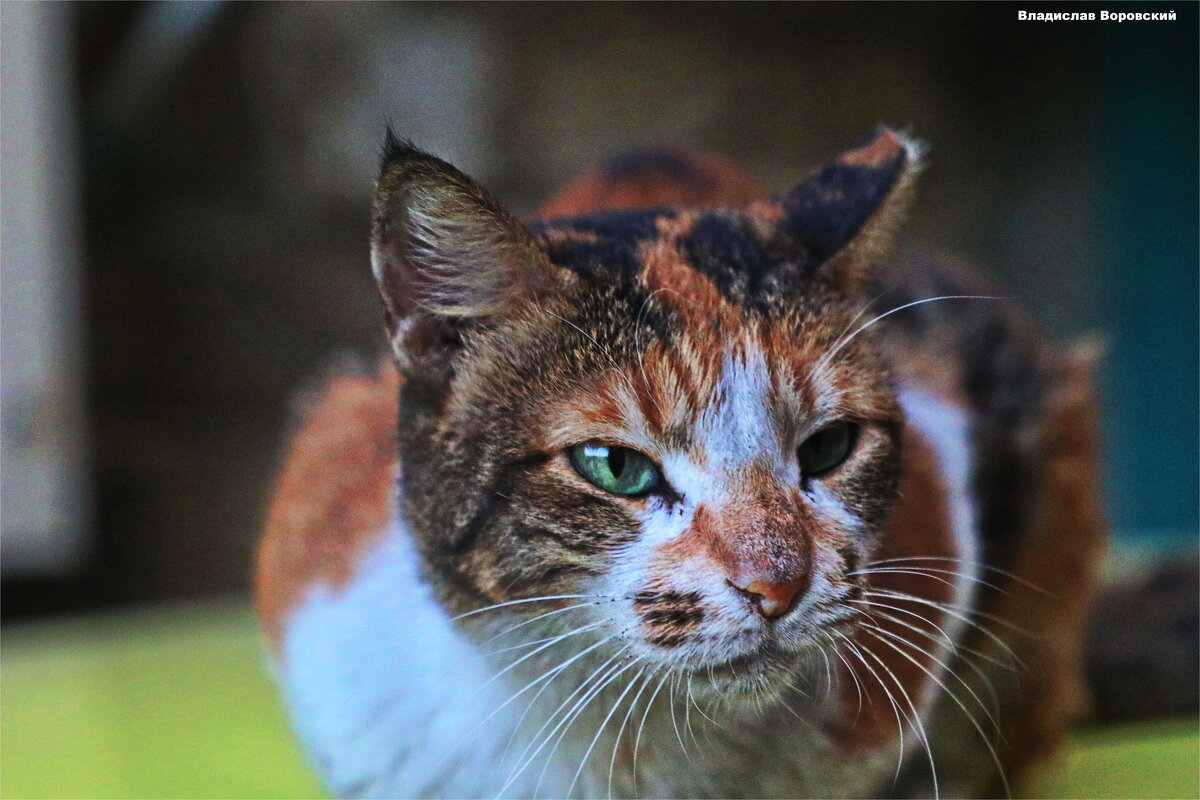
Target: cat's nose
pixel 769 598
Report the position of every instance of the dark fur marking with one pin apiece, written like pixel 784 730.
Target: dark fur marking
pixel 667 640
pixel 824 213
pixel 613 248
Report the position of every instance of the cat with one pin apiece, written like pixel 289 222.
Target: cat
pixel 684 489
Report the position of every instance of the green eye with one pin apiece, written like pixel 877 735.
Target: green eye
pixel 826 449
pixel 615 469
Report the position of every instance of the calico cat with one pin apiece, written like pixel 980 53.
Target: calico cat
pixel 696 491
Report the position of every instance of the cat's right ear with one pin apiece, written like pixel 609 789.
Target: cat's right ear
pixel 844 215
pixel 445 255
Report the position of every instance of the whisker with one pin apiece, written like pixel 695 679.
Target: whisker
pixel 599 346
pixel 535 619
pixel 970 717
pixel 896 711
pixel 954 611
pixel 967 562
pixel 931 573
pixel 558 637
pixel 575 713
pixel 833 640
pixel 888 313
pixel 612 762
pixel 527 600
pixel 962 609
pixel 837 342
pixel 604 724
pixel 687 712
pixel 582 688
pixel 916 719
pixel 674 723
pixel 550 674
pixel 945 667
pixel 526 657
pixel 642 725
pixel 956 649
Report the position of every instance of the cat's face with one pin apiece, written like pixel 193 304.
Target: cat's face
pixel 663 417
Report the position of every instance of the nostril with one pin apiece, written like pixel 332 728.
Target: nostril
pixel 770 599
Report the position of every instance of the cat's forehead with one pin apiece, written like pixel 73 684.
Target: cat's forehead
pixel 733 252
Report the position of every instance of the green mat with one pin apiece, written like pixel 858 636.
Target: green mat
pixel 176 703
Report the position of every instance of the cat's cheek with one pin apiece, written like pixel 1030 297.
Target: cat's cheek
pixel 638 582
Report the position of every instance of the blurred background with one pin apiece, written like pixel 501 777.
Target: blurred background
pixel 185 201
pixel 185 219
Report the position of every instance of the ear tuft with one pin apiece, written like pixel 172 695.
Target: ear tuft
pixel 443 252
pixel 845 214
pixel 395 148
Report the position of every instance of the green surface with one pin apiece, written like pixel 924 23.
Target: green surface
pixel 176 703
pixel 1160 760
pixel 155 704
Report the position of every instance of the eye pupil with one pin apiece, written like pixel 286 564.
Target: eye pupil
pixel 616 460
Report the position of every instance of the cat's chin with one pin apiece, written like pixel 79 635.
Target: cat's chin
pixel 757 677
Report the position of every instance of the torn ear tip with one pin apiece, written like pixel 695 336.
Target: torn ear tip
pixel 914 149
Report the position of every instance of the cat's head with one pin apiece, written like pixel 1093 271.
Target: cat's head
pixel 663 415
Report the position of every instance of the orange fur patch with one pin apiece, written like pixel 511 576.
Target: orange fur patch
pixel 334 497
pixel 885 148
pixel 717 182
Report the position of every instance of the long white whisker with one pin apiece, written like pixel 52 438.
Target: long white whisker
pixel 957 651
pixel 600 729
pixel 582 688
pixel 527 600
pixel 687 712
pixel 916 719
pixel 675 724
pixel 957 647
pixel 599 346
pixel 945 667
pixel 532 620
pixel 887 692
pixel 642 725
pixel 965 562
pixel 931 573
pixel 612 762
pixel 554 640
pixel 575 713
pixel 837 651
pixel 558 637
pixel 549 674
pixel 970 717
pixel 837 342
pixel 954 612
pixel 886 314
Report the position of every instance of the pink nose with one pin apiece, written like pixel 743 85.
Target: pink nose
pixel 771 600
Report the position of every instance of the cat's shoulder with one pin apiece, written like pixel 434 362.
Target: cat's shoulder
pixel 335 492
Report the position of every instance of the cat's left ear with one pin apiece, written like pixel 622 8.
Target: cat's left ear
pixel 843 217
pixel 446 256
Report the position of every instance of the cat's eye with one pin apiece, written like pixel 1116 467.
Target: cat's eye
pixel 826 449
pixel 615 469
